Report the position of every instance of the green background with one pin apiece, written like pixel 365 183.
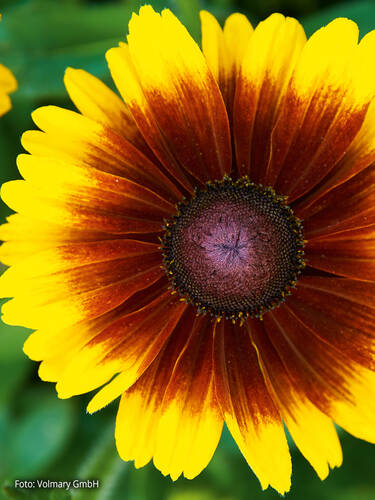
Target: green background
pixel 47 438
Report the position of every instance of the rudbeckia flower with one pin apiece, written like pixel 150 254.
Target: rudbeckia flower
pixel 8 84
pixel 204 246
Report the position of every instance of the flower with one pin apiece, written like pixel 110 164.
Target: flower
pixel 8 84
pixel 159 265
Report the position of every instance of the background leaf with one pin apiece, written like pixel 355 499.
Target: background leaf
pixel 363 13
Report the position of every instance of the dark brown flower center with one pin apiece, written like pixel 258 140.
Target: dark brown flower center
pixel 233 250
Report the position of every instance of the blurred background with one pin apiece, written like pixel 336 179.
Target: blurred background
pixel 46 438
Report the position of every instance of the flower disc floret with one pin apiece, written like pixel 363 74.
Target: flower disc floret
pixel 234 250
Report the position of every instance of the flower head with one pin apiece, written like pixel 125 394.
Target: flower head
pixel 8 84
pixel 204 248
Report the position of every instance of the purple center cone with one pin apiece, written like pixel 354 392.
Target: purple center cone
pixel 233 249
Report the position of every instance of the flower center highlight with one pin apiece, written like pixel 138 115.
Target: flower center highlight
pixel 233 250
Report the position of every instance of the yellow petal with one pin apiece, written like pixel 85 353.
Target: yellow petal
pixel 8 84
pixel 5 104
pixel 129 344
pixel 214 47
pixel 80 140
pixel 224 50
pixel 237 33
pixel 311 430
pixel 130 372
pixel 171 92
pixel 267 64
pixel 357 416
pixel 24 236
pixel 70 209
pixel 191 423
pixel 315 436
pixel 171 413
pixel 37 312
pixel 96 101
pixel 327 53
pixel 328 96
pixel 248 409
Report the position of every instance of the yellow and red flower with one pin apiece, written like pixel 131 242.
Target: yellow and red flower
pixel 158 248
pixel 8 84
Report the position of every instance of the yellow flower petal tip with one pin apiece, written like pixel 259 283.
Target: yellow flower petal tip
pixel 8 84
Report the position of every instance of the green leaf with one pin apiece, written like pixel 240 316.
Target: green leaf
pixel 56 26
pixel 194 494
pixel 188 13
pixel 39 436
pixel 221 9
pixel 74 34
pixel 363 13
pixel 12 492
pixel 102 463
pixel 14 364
pixel 15 493
pixel 11 341
pixel 60 495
